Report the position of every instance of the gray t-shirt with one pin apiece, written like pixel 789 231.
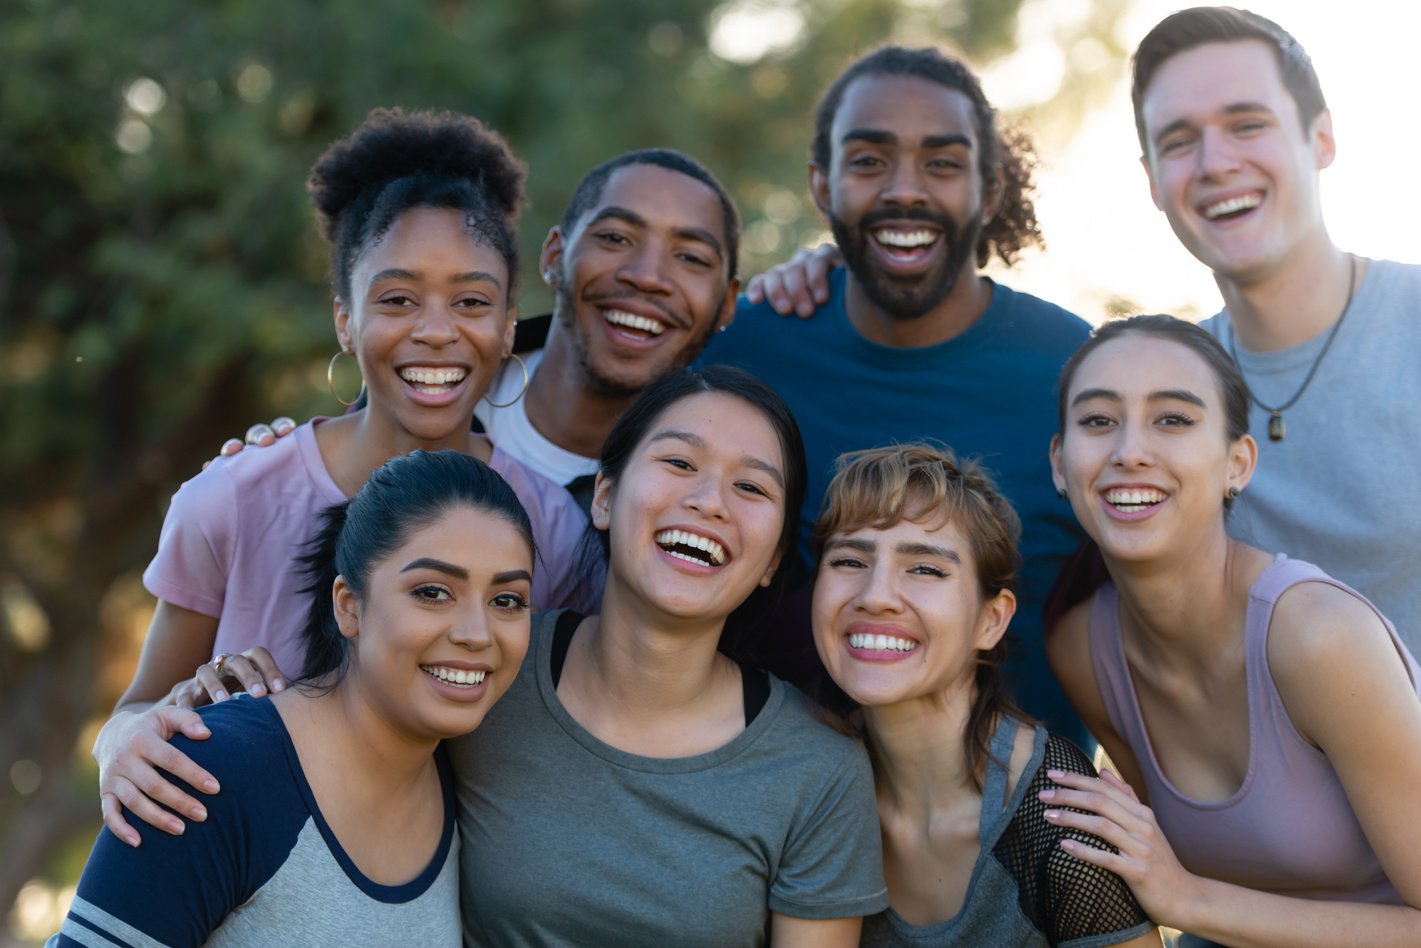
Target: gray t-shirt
pixel 1343 488
pixel 568 840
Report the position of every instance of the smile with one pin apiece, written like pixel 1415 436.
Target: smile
pixel 454 676
pixel 1133 500
pixel 433 381
pixel 1233 206
pixel 880 643
pixel 691 547
pixel 627 320
pixel 906 239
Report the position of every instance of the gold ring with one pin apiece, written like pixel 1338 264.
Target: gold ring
pixel 219 664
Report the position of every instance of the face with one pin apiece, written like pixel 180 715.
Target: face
pixel 443 625
pixel 642 281
pixel 429 322
pixel 1229 164
pixel 903 194
pixel 697 515
pixel 1145 457
pixel 898 612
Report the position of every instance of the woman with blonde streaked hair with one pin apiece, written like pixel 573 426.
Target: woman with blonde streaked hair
pixel 911 602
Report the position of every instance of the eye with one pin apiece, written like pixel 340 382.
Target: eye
pixel 1175 419
pixel 431 592
pixel 1095 420
pixel 1251 126
pixel 750 487
pixel 1175 145
pixel 473 303
pixel 399 300
pixel 865 162
pixel 945 164
pixel 694 259
pixel 612 237
pixel 680 464
pixel 927 569
pixel 847 562
pixel 510 601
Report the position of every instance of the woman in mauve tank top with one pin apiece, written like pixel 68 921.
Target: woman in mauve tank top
pixel 1264 718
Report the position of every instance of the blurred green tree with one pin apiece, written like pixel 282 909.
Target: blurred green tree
pixel 162 284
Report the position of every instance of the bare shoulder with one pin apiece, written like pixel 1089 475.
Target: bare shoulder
pixel 1328 651
pixel 1068 652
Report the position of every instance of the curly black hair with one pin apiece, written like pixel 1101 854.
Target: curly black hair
pixel 1014 227
pixel 399 160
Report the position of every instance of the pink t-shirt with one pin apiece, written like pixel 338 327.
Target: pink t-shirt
pixel 240 525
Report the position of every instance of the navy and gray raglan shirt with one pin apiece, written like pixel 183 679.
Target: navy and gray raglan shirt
pixel 264 868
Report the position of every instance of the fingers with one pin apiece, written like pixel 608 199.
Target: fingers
pixel 754 291
pixel 817 269
pixel 112 812
pixel 264 669
pixel 282 426
pixel 260 435
pixel 206 681
pixel 230 447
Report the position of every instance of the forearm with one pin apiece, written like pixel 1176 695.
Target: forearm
pixel 1248 918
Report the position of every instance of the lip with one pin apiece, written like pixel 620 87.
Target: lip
pixel 637 306
pixel 699 569
pixel 1132 516
pixel 920 261
pixel 1257 194
pixel 879 656
pixel 455 391
pixel 459 693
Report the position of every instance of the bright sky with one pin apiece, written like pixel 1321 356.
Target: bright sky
pixel 1107 239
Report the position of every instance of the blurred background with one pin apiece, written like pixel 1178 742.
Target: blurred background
pixel 162 284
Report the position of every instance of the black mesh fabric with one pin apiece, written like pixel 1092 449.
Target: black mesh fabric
pixel 1064 898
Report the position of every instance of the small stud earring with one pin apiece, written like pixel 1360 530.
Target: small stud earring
pixel 1061 493
pixel 1234 492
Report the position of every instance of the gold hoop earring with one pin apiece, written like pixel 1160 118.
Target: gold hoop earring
pixel 514 400
pixel 331 379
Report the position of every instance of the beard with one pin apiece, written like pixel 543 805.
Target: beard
pixel 906 297
pixel 614 386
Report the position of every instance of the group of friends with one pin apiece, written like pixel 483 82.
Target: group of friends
pixel 546 679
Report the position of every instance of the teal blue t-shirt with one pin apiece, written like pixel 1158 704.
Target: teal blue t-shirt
pixel 989 394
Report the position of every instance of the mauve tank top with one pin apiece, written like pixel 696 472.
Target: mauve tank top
pixel 1289 827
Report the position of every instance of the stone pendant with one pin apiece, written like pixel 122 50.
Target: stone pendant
pixel 1276 428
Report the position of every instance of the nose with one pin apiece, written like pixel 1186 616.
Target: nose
pixel 879 593
pixel 435 326
pixel 1216 154
pixel 1131 447
pixel 904 185
pixel 645 268
pixel 471 629
pixel 707 497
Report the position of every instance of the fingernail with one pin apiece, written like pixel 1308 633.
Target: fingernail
pixel 258 690
pixel 220 696
pixel 1055 774
pixel 198 813
pixel 202 729
pixel 176 827
pixel 211 787
pixel 277 684
pixel 1046 795
pixel 132 840
pixel 1052 815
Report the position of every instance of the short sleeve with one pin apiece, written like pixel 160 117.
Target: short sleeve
pixel 832 865
pixel 176 890
pixel 198 544
pixel 1074 903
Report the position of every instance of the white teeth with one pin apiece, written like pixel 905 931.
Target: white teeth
pixel 881 643
pixel 455 676
pixel 632 321
pixel 437 377
pixel 713 550
pixel 1132 500
pixel 901 238
pixel 1233 205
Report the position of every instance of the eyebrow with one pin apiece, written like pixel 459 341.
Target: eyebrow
pixel 860 545
pixel 439 566
pixel 1164 394
pixel 698 234
pixel 876 136
pixel 1233 108
pixel 469 276
pixel 696 441
pixel 512 575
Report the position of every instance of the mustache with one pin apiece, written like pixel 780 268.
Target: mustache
pixel 942 222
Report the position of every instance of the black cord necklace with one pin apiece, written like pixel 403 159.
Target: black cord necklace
pixel 1277 429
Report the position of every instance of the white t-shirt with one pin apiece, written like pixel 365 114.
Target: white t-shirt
pixel 513 432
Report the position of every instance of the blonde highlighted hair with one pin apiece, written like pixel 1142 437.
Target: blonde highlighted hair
pixel 919 482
